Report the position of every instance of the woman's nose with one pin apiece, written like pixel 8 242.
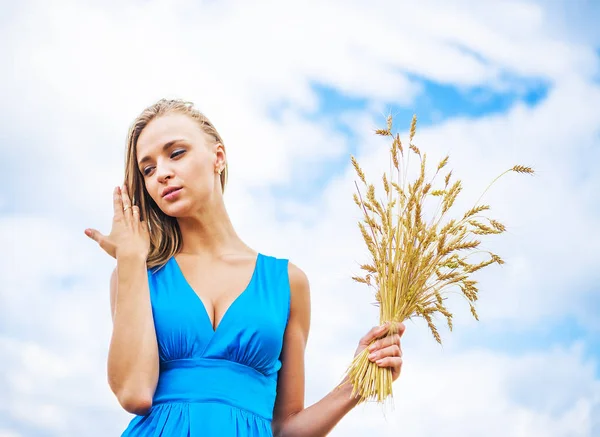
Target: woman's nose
pixel 163 173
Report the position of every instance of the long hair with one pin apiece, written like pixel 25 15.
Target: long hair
pixel 165 235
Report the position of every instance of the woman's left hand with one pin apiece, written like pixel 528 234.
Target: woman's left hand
pixel 386 351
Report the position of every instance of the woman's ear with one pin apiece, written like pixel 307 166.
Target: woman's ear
pixel 220 158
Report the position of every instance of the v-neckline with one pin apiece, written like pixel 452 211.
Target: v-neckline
pixel 250 284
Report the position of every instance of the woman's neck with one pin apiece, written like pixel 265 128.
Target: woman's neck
pixel 209 232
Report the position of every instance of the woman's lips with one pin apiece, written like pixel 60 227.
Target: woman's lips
pixel 172 195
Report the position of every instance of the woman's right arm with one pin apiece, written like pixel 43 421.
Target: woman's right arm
pixel 133 354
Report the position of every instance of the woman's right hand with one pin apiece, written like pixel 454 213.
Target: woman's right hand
pixel 129 235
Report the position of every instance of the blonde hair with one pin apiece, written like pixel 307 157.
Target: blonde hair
pixel 165 235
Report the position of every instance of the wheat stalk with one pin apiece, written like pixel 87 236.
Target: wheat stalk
pixel 415 262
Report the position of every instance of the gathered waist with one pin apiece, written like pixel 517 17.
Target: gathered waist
pixel 216 380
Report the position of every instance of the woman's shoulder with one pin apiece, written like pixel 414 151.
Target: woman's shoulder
pixel 299 295
pixel 296 275
pixel 298 278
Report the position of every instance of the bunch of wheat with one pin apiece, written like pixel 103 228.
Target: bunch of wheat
pixel 416 261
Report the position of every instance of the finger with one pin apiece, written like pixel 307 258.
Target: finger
pixel 393 362
pixel 118 203
pixel 373 334
pixel 135 210
pixel 94 235
pixel 401 328
pixel 397 328
pixel 390 351
pixel 126 202
pixel 385 342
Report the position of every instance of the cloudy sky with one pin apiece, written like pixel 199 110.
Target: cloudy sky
pixel 295 88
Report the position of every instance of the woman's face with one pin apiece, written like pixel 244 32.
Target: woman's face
pixel 178 163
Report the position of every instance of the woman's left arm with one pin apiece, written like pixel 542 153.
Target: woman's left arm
pixel 290 418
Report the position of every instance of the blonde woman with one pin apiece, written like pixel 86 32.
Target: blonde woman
pixel 208 334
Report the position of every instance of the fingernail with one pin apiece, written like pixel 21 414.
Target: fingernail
pixel 371 356
pixel 372 347
pixel 379 361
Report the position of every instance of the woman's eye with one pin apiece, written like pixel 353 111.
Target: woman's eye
pixel 146 171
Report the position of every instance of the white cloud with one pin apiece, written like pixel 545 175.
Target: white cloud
pixel 475 393
pixel 8 433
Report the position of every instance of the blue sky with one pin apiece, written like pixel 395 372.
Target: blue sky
pixel 436 103
pixel 294 90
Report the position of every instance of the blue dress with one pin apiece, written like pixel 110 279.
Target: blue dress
pixel 216 382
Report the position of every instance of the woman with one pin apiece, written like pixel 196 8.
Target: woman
pixel 208 335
